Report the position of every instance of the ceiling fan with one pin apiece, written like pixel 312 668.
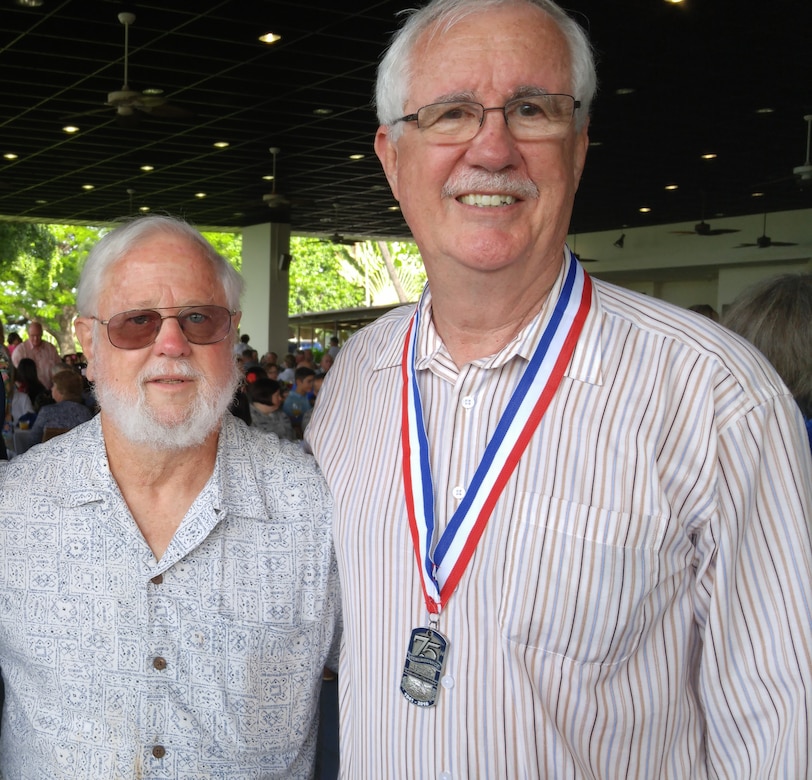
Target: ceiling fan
pixel 702 228
pixel 273 199
pixel 764 241
pixel 128 102
pixel 336 237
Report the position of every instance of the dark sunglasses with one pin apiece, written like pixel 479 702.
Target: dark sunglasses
pixel 138 328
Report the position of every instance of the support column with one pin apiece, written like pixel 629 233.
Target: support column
pixel 265 260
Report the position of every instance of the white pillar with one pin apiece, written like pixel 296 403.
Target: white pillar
pixel 265 258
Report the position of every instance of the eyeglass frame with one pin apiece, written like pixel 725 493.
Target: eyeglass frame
pixel 231 314
pixel 576 104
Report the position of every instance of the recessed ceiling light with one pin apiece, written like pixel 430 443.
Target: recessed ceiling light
pixel 30 3
pixel 625 91
pixel 10 156
pixel 322 111
pixel 394 208
pixel 88 186
pixel 70 129
pixel 596 143
pixel 671 187
pixel 644 209
pixel 673 2
pixel 40 201
pixel 268 177
pixel 765 110
pixel 143 208
pixel 270 37
pixel 357 156
pixel 200 194
pixel 147 168
pixel 221 144
pixel 756 194
pixel 709 156
pixel 152 91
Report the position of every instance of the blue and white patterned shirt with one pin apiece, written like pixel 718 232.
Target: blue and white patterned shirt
pixel 205 664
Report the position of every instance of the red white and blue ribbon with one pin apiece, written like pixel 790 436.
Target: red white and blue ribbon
pixel 442 567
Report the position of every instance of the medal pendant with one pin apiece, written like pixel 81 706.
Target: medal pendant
pixel 423 669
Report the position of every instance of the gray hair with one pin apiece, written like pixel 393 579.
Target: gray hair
pixel 396 68
pixel 775 315
pixel 115 244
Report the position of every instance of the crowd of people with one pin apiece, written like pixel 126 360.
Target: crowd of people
pixel 277 401
pixel 569 536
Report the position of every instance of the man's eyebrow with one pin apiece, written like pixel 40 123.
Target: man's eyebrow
pixel 528 91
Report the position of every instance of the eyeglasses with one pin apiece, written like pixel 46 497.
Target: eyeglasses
pixel 138 328
pixel 529 118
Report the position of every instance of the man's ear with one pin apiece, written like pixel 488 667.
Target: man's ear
pixel 387 151
pixel 83 326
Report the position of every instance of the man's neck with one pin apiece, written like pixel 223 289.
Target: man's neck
pixel 478 321
pixel 158 486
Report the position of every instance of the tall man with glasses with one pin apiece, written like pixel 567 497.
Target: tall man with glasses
pixel 572 522
pixel 168 590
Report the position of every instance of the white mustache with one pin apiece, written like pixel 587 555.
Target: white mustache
pixel 180 368
pixel 495 183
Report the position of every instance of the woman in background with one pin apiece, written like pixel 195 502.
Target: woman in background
pixel 775 315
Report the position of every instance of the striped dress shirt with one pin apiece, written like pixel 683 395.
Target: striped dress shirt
pixel 639 605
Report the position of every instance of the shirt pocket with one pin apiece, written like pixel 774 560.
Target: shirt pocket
pixel 577 579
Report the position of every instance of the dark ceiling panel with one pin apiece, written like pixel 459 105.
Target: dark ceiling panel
pixel 675 81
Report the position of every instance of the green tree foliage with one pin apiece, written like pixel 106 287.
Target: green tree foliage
pixel 41 285
pixel 17 238
pixel 326 276
pixel 317 280
pixel 229 245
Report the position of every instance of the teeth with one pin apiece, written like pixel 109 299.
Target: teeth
pixel 487 200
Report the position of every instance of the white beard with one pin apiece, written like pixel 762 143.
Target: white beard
pixel 134 418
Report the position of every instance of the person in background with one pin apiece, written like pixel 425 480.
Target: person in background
pixel 13 340
pixel 775 315
pixel 288 374
pixel 265 396
pixel 334 347
pixel 706 310
pixel 43 353
pixel 6 393
pixel 27 381
pixel 67 411
pixel 326 363
pixel 318 381
pixel 186 597
pixel 297 401
pixel 242 344
pixel 572 521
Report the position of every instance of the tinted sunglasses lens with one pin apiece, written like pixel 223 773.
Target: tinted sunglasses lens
pixel 133 329
pixel 205 324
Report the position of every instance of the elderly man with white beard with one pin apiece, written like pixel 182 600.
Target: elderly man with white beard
pixel 168 589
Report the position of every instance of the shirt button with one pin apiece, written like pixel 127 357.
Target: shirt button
pixel 158 751
pixel 458 493
pixel 159 663
pixel 157 579
pixel 468 402
pixel 447 681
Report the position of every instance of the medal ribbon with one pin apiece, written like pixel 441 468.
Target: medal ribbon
pixel 441 573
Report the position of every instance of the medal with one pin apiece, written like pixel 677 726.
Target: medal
pixel 442 561
pixel 425 658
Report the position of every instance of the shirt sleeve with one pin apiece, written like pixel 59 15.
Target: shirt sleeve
pixel 753 601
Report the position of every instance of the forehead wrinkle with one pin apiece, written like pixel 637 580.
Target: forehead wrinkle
pixel 470 96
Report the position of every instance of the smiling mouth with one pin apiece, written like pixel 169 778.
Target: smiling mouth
pixel 486 201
